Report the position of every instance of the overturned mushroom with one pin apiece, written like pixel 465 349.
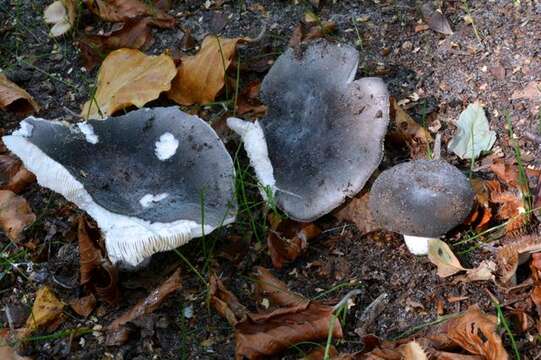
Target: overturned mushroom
pixel 421 199
pixel 323 135
pixel 149 178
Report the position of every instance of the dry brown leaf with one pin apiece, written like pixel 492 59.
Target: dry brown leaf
pixel 268 286
pixel 128 77
pixel 287 239
pixel 201 77
pixel 46 309
pixel 96 271
pixel 15 214
pixel 84 306
pixel 310 30
pixel 123 10
pixel 441 255
pixel 485 271
pixel 225 302
pixel 134 34
pixel 248 103
pixel 413 351
pixel 62 14
pixel 531 92
pixel 13 175
pixel 8 353
pixel 481 214
pixel 476 333
pixel 407 130
pixel 435 19
pixel 116 330
pixel 356 210
pixel 15 99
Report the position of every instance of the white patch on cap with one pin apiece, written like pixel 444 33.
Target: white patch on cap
pixel 166 147
pixel 148 200
pixel 88 131
pixel 25 129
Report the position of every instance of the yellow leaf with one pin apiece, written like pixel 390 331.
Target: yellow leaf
pixel 442 256
pixel 13 98
pixel 128 77
pixel 201 77
pixel 45 310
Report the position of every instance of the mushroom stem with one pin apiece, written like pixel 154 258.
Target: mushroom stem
pixel 417 245
pixel 436 153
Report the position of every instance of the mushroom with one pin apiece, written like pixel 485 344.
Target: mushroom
pixel 152 179
pixel 323 135
pixel 422 200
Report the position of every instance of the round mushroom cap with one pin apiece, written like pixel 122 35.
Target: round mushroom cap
pixel 421 198
pixel 152 179
pixel 324 132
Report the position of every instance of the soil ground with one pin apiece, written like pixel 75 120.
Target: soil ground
pixel 437 74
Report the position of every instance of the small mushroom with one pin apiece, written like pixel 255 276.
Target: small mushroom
pixel 421 199
pixel 323 135
pixel 152 179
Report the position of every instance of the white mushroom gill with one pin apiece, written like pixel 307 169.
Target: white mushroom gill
pixel 166 147
pixel 149 200
pixel 25 129
pixel 88 132
pixel 256 146
pixel 417 245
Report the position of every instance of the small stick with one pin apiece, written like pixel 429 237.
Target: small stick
pixel 436 153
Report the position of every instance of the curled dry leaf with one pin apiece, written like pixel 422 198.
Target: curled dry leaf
pixel 481 214
pixel 356 210
pixel 225 302
pixel 13 98
pixel 311 28
pixel 259 335
pixel 97 272
pixel 441 255
pixel 129 77
pixel 287 239
pixel 201 76
pixel 413 351
pixel 62 14
pixel 134 34
pixel 123 10
pixel 408 131
pixel 476 332
pixel 248 103
pixel 84 306
pixel 511 255
pixel 46 310
pixel 435 18
pixel 13 175
pixel 116 331
pixel 15 214
pixel 268 286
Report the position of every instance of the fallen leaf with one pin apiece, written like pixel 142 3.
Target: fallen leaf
pixel 46 309
pixel 413 351
pixel 13 98
pixel 476 332
pixel 511 255
pixel 84 305
pixel 481 214
pixel 485 271
pixel 260 335
pixel 62 14
pixel 308 30
pixel 356 211
pixel 129 77
pixel 15 214
pixel 96 271
pixel 134 34
pixel 201 77
pixel 116 330
pixel 473 134
pixel 435 19
pixel 8 353
pixel 248 103
pixel 442 256
pixel 287 239
pixel 13 175
pixel 225 302
pixel 123 10
pixel 268 286
pixel 408 131
pixel 531 92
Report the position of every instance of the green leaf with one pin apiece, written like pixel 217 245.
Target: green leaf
pixel 474 135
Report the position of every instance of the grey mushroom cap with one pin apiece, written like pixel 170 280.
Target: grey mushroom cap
pixel 144 176
pixel 424 198
pixel 323 130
